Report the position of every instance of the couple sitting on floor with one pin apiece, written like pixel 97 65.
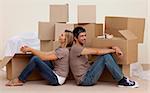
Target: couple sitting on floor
pixel 54 66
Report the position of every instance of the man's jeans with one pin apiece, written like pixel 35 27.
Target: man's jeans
pixel 44 67
pixel 94 72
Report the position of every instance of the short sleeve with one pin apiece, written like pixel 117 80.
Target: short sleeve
pixel 78 50
pixel 60 52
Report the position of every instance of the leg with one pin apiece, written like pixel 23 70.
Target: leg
pixel 46 71
pixel 24 75
pixel 28 69
pixel 94 72
pixel 113 67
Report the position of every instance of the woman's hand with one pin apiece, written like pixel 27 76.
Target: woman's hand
pixel 25 49
pixel 118 51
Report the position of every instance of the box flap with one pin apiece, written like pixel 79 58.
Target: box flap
pixel 128 35
pixel 5 60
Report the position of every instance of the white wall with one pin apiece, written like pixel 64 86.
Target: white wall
pixel 1 34
pixel 23 15
pixel 148 41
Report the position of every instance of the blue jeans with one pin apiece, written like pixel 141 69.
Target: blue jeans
pixel 45 68
pixel 94 72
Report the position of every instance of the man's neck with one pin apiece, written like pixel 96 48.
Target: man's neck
pixel 78 44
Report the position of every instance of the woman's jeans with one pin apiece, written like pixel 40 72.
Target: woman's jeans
pixel 94 72
pixel 44 67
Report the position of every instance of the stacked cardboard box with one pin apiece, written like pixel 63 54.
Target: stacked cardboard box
pixel 135 25
pixel 47 32
pixel 128 32
pixel 86 14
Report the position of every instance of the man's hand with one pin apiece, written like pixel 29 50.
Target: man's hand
pixel 118 51
pixel 25 49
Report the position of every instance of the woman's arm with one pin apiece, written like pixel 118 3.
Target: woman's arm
pixel 42 55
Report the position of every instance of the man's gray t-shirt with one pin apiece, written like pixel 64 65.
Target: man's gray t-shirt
pixel 61 65
pixel 78 63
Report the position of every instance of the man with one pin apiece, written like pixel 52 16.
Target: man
pixel 86 74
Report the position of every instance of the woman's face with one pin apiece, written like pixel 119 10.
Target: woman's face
pixel 62 38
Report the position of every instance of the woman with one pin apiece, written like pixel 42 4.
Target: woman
pixel 53 66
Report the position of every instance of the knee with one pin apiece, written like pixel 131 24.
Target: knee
pixel 35 59
pixel 108 56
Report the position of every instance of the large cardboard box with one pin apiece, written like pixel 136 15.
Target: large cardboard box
pixel 86 14
pixel 46 45
pixel 17 63
pixel 92 31
pixel 61 27
pixel 136 25
pixel 56 44
pixel 128 44
pixel 46 30
pixel 59 13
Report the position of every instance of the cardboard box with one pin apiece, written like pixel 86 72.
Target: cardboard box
pixel 46 45
pixel 136 25
pixel 128 45
pixel 56 44
pixel 17 63
pixel 92 31
pixel 86 14
pixel 46 31
pixel 61 27
pixel 59 13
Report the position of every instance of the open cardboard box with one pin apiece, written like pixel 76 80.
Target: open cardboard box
pixel 135 25
pixel 128 44
pixel 15 65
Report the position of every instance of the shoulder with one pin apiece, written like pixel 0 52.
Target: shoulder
pixel 63 50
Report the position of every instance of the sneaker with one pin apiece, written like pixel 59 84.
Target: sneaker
pixel 125 82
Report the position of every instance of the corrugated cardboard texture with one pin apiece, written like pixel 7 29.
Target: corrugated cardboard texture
pixel 135 25
pixel 59 13
pixel 128 35
pixel 86 14
pixel 16 66
pixel 56 44
pixel 128 47
pixel 46 31
pixel 60 28
pixel 46 45
pixel 5 61
pixel 99 30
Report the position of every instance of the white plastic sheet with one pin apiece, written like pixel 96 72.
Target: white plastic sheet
pixel 14 43
pixel 28 38
pixel 137 70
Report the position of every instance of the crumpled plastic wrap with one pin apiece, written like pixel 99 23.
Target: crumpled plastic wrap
pixel 28 38
pixel 14 43
pixel 137 70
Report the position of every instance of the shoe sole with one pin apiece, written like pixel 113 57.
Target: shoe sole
pixel 135 86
